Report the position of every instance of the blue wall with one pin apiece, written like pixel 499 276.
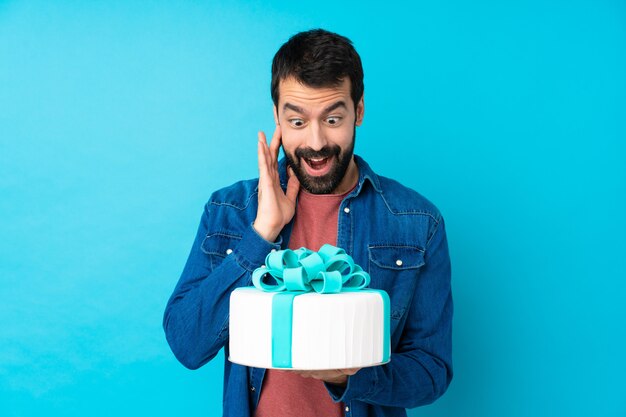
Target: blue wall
pixel 118 119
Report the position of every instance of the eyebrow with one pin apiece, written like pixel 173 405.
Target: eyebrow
pixel 335 106
pixel 297 109
pixel 293 107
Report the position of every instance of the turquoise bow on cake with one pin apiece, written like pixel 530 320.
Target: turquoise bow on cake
pixel 330 270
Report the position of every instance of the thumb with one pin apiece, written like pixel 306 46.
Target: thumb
pixel 293 186
pixel 350 371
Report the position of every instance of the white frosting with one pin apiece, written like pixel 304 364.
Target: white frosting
pixel 329 331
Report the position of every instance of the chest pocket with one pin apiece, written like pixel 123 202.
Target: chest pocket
pixel 219 245
pixel 395 269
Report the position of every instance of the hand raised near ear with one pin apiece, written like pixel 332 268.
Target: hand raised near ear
pixel 276 208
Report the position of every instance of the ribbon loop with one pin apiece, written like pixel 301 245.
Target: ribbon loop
pixel 330 270
pixel 257 280
pixel 340 263
pixel 328 282
pixel 327 251
pixel 358 280
pixel 295 279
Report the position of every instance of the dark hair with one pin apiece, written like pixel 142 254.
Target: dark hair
pixel 318 58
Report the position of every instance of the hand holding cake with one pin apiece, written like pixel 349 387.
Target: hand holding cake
pixel 333 376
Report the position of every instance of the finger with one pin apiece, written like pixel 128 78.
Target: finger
pixel 329 374
pixel 266 153
pixel 275 143
pixel 266 177
pixel 293 186
pixel 263 141
pixel 350 371
pixel 262 154
pixel 272 168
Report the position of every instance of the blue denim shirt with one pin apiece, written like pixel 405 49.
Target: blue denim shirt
pixel 390 230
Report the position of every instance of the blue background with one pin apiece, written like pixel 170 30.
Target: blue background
pixel 118 119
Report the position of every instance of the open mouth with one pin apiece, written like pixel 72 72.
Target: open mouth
pixel 317 166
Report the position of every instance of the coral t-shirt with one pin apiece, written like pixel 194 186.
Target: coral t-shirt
pixel 285 393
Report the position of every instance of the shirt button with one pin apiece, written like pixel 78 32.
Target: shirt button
pixel 346 210
pixel 399 262
pixel 229 251
pixel 347 408
pixel 252 388
pixel 273 250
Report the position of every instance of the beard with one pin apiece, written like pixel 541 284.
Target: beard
pixel 327 183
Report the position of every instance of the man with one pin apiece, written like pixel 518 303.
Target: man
pixel 320 193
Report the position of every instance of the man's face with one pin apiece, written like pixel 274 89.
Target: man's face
pixel 318 130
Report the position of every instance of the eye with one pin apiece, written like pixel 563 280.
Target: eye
pixel 333 120
pixel 296 122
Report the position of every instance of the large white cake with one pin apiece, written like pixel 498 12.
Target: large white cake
pixel 327 331
pixel 309 310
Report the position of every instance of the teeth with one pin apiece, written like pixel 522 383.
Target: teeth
pixel 317 160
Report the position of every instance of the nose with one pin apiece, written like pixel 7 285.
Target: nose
pixel 316 139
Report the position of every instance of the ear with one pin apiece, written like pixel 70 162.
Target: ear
pixel 360 111
pixel 275 116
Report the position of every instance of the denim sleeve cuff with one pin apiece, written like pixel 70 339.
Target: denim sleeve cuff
pixel 250 253
pixel 360 386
